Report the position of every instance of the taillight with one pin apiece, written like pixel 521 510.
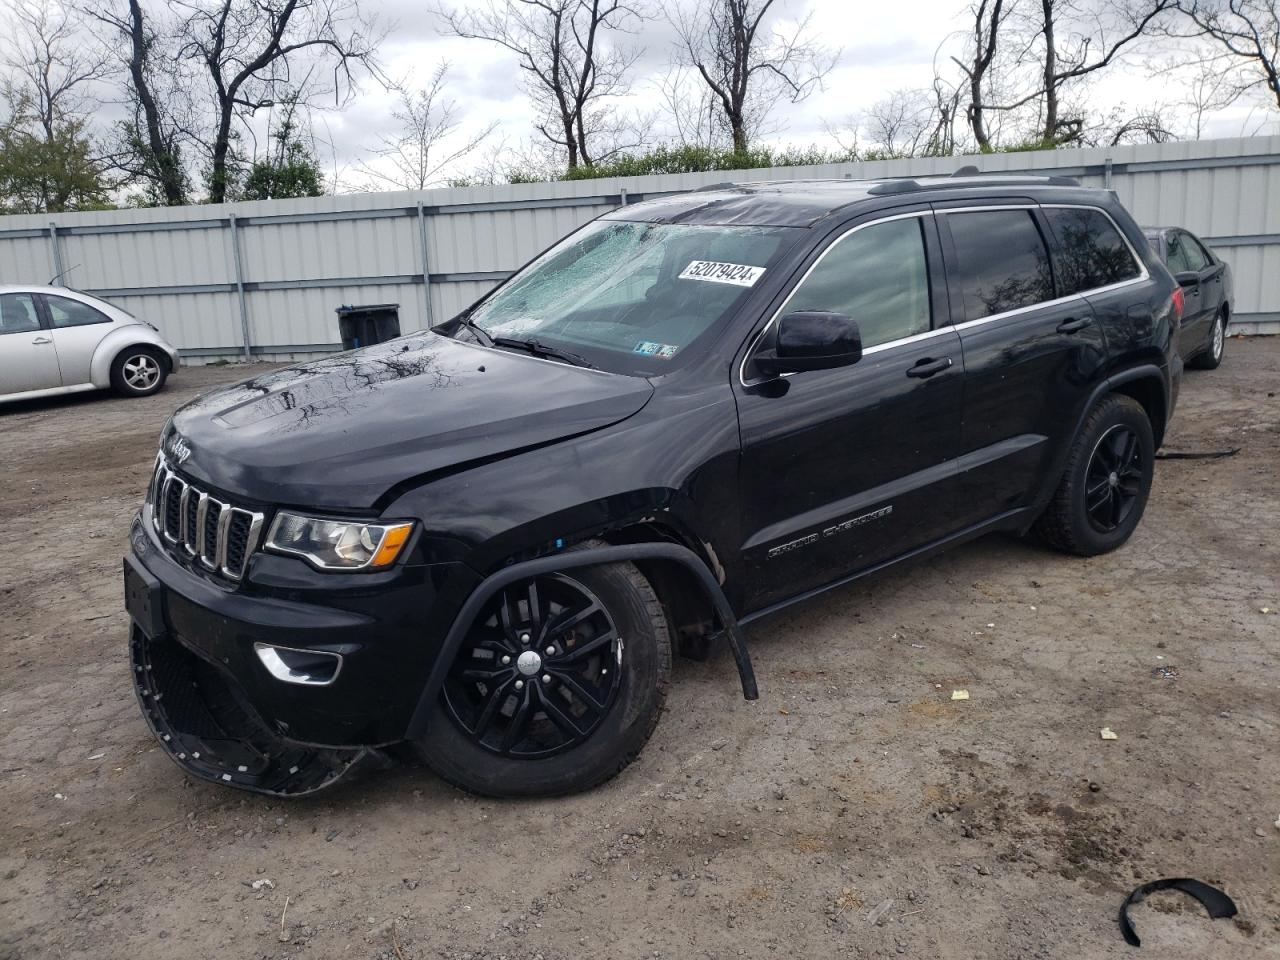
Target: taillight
pixel 1176 303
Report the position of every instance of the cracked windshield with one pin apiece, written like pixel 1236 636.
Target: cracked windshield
pixel 629 297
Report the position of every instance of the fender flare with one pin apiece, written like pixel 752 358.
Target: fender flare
pixel 118 340
pixel 1144 371
pixel 572 560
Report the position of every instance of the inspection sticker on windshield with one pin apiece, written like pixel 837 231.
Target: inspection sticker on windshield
pixel 663 351
pixel 739 274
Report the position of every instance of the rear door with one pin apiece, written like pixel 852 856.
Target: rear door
pixel 843 469
pixel 1188 263
pixel 1210 272
pixel 77 329
pixel 1030 356
pixel 28 360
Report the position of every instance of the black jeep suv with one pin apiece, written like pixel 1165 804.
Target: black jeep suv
pixel 484 540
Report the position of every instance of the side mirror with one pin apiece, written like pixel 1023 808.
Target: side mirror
pixel 812 340
pixel 1187 278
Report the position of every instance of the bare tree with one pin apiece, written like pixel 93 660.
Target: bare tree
pixel 747 68
pixel 247 51
pixel 946 110
pixel 415 157
pixel 978 64
pixel 1246 34
pixel 55 67
pixel 1079 39
pixel 1145 126
pixel 690 107
pixel 900 124
pixel 151 150
pixel 571 65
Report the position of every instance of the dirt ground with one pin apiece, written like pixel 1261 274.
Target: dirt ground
pixel 854 811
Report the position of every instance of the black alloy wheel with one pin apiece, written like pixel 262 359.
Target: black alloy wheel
pixel 556 688
pixel 1114 478
pixel 539 672
pixel 1105 483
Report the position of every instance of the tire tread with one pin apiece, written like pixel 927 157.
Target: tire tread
pixel 1054 525
pixel 653 608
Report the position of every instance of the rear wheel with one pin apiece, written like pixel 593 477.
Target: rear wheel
pixel 138 371
pixel 556 688
pixel 1211 357
pixel 1104 489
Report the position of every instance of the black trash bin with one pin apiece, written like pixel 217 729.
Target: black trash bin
pixel 362 326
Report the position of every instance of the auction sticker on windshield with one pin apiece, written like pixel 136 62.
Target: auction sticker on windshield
pixel 664 351
pixel 739 274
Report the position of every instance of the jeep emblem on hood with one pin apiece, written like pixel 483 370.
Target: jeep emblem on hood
pixel 178 449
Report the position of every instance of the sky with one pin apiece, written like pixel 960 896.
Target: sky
pixel 883 47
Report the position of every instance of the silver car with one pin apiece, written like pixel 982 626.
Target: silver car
pixel 54 340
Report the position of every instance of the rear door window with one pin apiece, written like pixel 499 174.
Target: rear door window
pixel 1091 251
pixel 1002 262
pixel 18 313
pixel 65 312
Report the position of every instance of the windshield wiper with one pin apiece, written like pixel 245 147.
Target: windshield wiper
pixel 480 333
pixel 542 350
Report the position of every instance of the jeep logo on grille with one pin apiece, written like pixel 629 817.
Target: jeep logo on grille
pixel 178 449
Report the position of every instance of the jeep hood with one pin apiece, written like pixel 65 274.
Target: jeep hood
pixel 338 433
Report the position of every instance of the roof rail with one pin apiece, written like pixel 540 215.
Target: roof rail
pixel 900 185
pixel 970 170
pixel 909 185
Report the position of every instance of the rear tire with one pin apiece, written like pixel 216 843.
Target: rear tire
pixel 139 371
pixel 543 758
pixel 1210 358
pixel 1104 488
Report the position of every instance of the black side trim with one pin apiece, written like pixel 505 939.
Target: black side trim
pixel 820 516
pixel 571 560
pixel 1006 520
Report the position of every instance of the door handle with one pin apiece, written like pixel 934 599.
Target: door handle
pixel 1074 325
pixel 927 367
pixel 42 340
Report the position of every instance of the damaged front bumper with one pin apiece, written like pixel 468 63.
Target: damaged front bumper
pixel 206 728
pixel 209 664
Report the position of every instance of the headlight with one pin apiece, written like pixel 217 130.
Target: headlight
pixel 339 544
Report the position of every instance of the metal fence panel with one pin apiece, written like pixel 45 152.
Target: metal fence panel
pixel 300 259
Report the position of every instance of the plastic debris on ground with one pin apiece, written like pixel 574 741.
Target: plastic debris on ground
pixel 263 884
pixel 1108 734
pixel 959 694
pixel 878 912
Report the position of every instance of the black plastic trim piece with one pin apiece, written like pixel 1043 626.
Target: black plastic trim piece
pixel 1217 903
pixel 572 560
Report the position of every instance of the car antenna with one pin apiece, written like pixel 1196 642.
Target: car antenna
pixel 55 279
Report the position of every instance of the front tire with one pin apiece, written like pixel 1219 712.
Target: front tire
pixel 1104 489
pixel 138 372
pixel 1211 357
pixel 557 687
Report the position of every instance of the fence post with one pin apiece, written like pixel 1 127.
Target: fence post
pixel 56 250
pixel 426 265
pixel 244 310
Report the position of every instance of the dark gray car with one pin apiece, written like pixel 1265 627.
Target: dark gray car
pixel 1206 289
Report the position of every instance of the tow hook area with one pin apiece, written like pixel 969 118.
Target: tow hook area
pixel 207 731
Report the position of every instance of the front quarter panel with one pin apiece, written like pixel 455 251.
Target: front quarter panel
pixel 674 465
pixel 123 335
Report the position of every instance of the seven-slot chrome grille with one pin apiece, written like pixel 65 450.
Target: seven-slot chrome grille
pixel 217 534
